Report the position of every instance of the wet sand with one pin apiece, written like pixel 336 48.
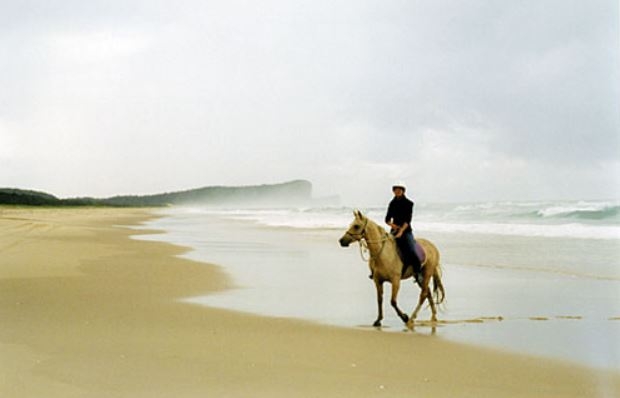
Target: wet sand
pixel 88 312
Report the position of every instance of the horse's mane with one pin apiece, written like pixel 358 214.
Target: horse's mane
pixel 379 229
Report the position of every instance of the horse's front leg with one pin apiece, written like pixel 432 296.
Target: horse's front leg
pixel 379 286
pixel 395 288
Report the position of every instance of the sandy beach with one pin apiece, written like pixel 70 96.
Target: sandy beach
pixel 88 312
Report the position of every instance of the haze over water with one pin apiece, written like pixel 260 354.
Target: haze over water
pixel 536 277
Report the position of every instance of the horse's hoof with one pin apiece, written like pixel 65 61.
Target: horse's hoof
pixel 405 318
pixel 410 324
pixel 377 324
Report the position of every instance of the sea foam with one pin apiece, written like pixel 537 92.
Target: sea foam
pixel 579 220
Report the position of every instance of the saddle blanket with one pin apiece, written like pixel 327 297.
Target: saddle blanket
pixel 419 251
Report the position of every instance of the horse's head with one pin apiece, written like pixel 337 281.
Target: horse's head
pixel 356 230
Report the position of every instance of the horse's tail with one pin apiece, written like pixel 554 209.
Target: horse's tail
pixel 438 290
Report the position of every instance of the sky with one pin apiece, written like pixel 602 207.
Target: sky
pixel 463 100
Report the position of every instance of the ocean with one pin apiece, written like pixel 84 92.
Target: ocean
pixel 541 278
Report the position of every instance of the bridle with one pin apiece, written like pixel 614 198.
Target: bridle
pixel 363 240
pixel 359 236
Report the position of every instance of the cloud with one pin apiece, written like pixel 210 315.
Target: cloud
pixel 85 49
pixel 455 96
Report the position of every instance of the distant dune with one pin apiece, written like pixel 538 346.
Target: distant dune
pixel 297 192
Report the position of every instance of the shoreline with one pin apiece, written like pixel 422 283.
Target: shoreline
pixel 576 328
pixel 88 311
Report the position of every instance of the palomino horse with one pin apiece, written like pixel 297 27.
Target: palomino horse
pixel 386 266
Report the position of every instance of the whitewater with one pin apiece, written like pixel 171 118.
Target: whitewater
pixel 588 220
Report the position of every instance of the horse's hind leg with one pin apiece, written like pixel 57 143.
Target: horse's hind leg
pixel 424 294
pixel 429 296
pixel 421 299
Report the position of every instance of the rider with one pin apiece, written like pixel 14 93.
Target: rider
pixel 398 217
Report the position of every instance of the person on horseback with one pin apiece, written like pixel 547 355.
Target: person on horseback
pixel 398 217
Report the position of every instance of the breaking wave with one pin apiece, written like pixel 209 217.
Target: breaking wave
pixel 581 220
pixel 583 210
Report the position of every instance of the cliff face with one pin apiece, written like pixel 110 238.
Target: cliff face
pixel 296 192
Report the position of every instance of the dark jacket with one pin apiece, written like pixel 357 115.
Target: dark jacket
pixel 401 210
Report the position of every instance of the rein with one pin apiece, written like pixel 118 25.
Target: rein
pixel 363 240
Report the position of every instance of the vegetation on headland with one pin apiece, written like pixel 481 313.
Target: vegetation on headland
pixel 298 191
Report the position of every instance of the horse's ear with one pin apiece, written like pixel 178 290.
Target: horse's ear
pixel 358 214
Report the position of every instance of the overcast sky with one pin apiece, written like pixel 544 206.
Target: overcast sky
pixel 463 100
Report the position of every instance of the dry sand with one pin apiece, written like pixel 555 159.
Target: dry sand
pixel 87 312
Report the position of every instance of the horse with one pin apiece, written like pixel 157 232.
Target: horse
pixel 386 266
